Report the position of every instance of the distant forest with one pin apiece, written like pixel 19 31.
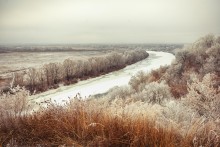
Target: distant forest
pixel 87 47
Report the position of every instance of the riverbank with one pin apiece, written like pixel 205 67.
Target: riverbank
pixel 70 71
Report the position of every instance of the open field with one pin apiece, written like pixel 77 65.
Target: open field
pixel 14 61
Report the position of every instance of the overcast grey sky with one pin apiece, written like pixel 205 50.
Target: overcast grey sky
pixel 107 21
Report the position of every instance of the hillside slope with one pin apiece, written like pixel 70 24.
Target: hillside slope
pixel 178 105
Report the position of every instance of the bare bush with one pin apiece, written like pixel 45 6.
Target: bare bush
pixel 204 43
pixel 154 93
pixel 32 79
pixel 13 107
pixel 138 81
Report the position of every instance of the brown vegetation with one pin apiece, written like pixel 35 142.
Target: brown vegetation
pixel 202 57
pixel 82 125
pixel 97 123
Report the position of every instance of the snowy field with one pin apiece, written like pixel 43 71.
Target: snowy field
pixel 103 83
pixel 15 61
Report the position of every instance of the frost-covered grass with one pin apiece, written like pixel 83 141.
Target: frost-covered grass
pixel 82 124
pixel 15 61
pixel 99 122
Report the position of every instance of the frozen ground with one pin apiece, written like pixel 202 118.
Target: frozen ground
pixel 14 61
pixel 103 83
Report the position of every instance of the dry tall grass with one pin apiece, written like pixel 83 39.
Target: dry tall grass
pixel 78 127
pixel 92 123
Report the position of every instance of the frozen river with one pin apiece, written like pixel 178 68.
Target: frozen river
pixel 103 83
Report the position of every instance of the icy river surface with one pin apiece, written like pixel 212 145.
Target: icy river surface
pixel 103 83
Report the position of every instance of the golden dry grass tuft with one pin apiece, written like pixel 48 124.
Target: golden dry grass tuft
pixel 76 126
pixel 86 123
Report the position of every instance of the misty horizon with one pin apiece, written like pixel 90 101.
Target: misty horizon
pixel 107 22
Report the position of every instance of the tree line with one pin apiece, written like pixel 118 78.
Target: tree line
pixel 71 71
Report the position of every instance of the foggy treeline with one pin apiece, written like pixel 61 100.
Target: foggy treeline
pixel 70 71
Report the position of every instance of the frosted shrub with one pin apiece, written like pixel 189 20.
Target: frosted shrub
pixel 174 71
pixel 182 55
pixel 178 115
pixel 202 57
pixel 213 61
pixel 14 103
pixel 155 93
pixel 137 79
pixel 203 97
pixel 121 92
pixel 217 40
pixel 13 106
pixel 204 43
pixel 152 93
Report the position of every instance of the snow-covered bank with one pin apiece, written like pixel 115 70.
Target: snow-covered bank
pixel 103 83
